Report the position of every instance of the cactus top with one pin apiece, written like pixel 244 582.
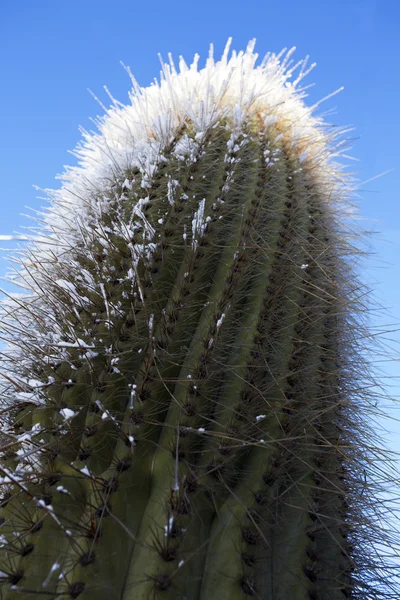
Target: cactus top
pixel 233 88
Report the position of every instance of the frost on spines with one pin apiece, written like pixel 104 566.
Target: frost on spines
pixel 184 392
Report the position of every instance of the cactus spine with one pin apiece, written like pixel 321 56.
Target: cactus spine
pixel 182 415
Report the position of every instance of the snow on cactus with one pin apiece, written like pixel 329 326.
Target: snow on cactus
pixel 185 406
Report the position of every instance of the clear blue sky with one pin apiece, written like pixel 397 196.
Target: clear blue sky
pixel 52 51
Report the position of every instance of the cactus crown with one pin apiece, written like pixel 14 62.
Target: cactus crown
pixel 185 403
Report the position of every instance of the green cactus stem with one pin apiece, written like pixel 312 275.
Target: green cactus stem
pixel 184 396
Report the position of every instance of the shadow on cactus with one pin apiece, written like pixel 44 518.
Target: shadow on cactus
pixel 186 411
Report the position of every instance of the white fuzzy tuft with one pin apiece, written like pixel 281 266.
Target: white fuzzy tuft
pixel 134 135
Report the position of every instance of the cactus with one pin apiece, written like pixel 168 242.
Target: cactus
pixel 185 403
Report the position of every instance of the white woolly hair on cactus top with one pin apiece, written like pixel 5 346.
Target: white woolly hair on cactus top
pixel 233 87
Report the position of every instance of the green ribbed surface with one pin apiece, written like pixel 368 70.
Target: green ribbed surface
pixel 220 474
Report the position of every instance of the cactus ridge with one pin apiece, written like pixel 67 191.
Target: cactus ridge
pixel 185 402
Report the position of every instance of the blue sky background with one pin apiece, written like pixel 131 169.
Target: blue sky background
pixel 52 51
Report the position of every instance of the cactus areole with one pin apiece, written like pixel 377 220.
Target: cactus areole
pixel 183 407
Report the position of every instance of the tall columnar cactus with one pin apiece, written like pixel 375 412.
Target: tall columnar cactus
pixel 184 403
